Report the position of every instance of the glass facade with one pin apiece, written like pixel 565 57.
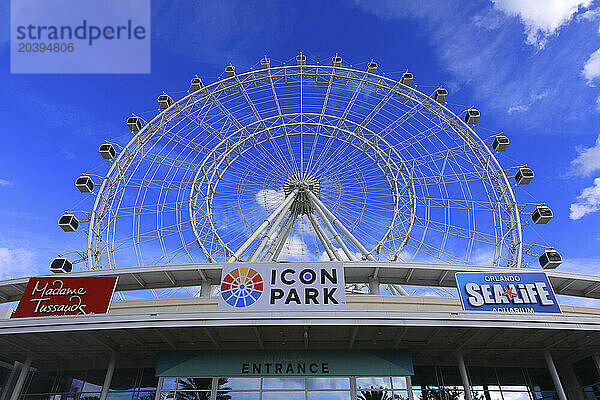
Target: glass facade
pixel 427 383
pixel 589 377
pixel 127 384
pixel 288 388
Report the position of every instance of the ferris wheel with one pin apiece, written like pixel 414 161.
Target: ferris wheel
pixel 305 161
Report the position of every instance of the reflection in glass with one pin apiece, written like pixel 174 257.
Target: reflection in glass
pixel 376 382
pixel 374 395
pixel 239 383
pixel 194 383
pixel 283 395
pixel 515 395
pixel 112 395
pixel 193 396
pixel 169 383
pixel 487 395
pixel 329 395
pixel 399 382
pixel 283 383
pixel 240 396
pixel 328 383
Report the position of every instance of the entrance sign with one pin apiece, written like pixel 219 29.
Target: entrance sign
pixel 66 296
pixel 519 292
pixel 285 363
pixel 277 286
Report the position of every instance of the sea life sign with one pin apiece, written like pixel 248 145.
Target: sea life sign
pixel 518 292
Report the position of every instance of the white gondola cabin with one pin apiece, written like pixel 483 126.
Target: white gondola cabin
pixel 440 95
pixel 135 123
pixel 542 215
pixel 265 63
pixel 230 71
pixel 500 143
pixel 84 184
pixel 336 61
pixel 107 151
pixel 61 265
pixel 472 116
pixel 406 79
pixel 372 67
pixel 196 84
pixel 301 60
pixel 164 101
pixel 524 176
pixel 550 259
pixel 68 222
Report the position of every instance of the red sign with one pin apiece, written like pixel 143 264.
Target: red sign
pixel 66 296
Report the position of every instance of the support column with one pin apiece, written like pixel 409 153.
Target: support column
pixel 108 377
pixel 555 378
pixel 373 286
pixel 463 375
pixel 158 388
pixel 205 288
pixel 21 379
pixel 411 396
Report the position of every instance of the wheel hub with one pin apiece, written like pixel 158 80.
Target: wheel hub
pixel 303 182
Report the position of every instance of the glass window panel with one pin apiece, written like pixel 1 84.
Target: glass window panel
pixel 169 383
pixel 238 395
pixel 586 371
pixel 541 378
pixel 112 395
pixel 327 383
pixel 374 395
pixel 516 395
pixel 283 395
pixel 488 395
pixel 144 396
pixel 375 382
pixel 38 397
pixel 483 376
pixel 94 380
pixel 450 376
pixel 41 382
pixel 239 383
pixel 192 396
pixel 124 379
pixel 399 382
pixel 149 380
pixel 90 396
pixel 283 383
pixel 167 395
pixel 511 376
pixel 424 376
pixel 400 395
pixel 330 395
pixel 513 388
pixel 194 384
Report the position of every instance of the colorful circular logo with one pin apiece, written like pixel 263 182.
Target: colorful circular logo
pixel 241 287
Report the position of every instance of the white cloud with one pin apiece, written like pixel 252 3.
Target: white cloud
pixel 542 18
pixel 598 103
pixel 4 182
pixel 269 198
pixel 591 68
pixel 533 99
pixel 295 247
pixel 15 263
pixel 588 160
pixel 587 202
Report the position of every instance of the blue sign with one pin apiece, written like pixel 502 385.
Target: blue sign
pixel 518 292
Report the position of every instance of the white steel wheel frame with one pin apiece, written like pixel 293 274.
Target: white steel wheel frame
pixel 103 243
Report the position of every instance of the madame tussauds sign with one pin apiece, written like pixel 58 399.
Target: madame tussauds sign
pixel 66 296
pixel 284 286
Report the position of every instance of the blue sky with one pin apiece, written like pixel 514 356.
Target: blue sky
pixel 530 66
